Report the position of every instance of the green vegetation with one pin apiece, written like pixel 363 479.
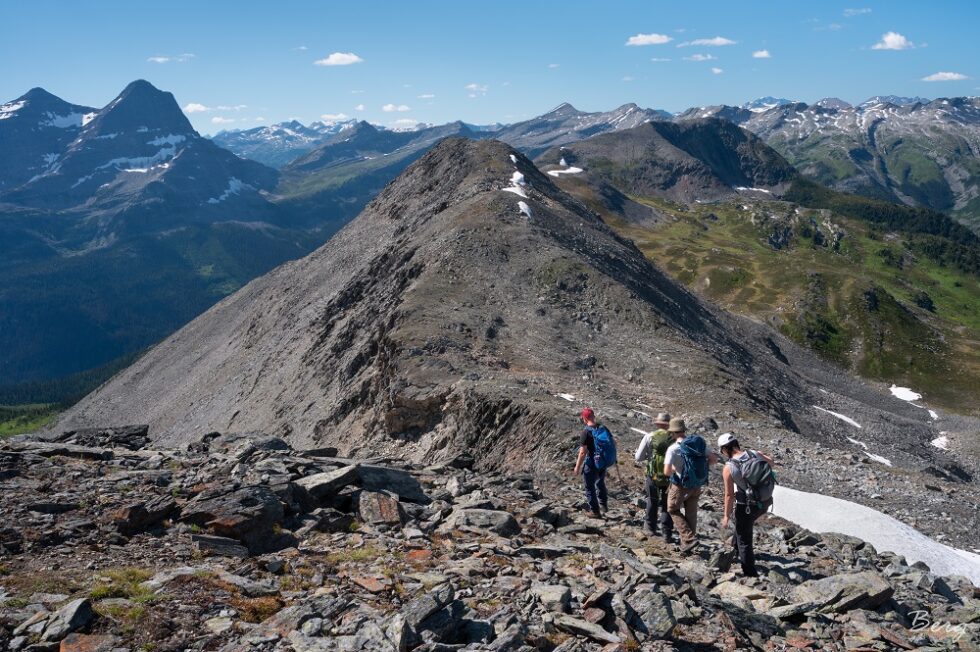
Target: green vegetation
pixel 123 583
pixel 18 419
pixel 900 316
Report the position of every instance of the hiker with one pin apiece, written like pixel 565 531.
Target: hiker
pixel 652 452
pixel 596 453
pixel 686 464
pixel 749 481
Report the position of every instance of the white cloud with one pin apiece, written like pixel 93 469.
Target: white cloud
pixel 339 59
pixel 627 78
pixel 848 13
pixel 392 108
pixel 700 57
pixel 260 119
pixel 554 65
pixel 236 107
pixel 356 92
pixel 219 120
pixel 166 58
pixel 476 89
pixel 300 48
pixel 893 41
pixel 426 96
pixel 761 54
pixel 945 76
pixel 404 123
pixel 717 41
pixel 716 71
pixel 194 107
pixel 359 107
pixel 333 117
pixel 659 59
pixel 649 39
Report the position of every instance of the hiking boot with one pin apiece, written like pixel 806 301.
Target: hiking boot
pixel 668 536
pixel 604 507
pixel 688 547
pixel 597 514
pixel 650 531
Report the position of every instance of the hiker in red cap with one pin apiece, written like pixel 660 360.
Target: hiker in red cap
pixel 596 453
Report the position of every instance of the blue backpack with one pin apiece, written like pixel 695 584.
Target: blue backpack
pixel 605 447
pixel 693 451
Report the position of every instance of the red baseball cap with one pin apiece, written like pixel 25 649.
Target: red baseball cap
pixel 588 414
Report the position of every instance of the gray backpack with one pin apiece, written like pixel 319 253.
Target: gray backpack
pixel 758 479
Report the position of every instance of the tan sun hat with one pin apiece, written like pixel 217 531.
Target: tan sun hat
pixel 662 419
pixel 677 425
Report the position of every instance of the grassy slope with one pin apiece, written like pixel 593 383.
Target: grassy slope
pixel 18 419
pixel 822 298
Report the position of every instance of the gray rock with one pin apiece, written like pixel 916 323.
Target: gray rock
pixel 224 546
pixel 379 508
pixel 793 611
pixel 71 617
pixel 863 590
pixel 652 614
pixel 553 597
pixel 421 608
pixel 578 626
pixel 501 522
pixel 249 514
pixel 323 485
pixel 382 478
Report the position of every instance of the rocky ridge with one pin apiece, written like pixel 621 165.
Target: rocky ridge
pixel 242 543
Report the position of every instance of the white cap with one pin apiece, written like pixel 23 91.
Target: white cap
pixel 725 439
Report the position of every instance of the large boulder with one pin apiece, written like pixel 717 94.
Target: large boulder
pixel 70 618
pixel 378 508
pixel 499 521
pixel 326 484
pixel 144 515
pixel 250 514
pixel 651 614
pixel 383 478
pixel 863 590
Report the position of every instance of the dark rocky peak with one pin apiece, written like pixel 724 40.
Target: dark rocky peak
pixel 38 104
pixel 142 107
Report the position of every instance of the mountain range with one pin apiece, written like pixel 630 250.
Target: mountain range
pixel 121 224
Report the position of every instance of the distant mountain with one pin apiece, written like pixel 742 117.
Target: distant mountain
pixel 566 124
pixel 34 129
pixel 693 160
pixel 278 144
pixel 735 114
pixel 897 100
pixel 918 154
pixel 765 103
pixel 134 225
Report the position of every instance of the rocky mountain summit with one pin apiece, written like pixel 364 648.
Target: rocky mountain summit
pixel 242 543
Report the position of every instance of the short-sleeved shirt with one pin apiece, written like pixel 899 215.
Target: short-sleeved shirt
pixel 674 459
pixel 587 440
pixel 736 471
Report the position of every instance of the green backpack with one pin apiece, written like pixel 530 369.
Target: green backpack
pixel 658 453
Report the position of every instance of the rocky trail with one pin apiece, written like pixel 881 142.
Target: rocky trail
pixel 243 543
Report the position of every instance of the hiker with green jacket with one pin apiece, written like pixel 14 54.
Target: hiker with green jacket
pixel 652 452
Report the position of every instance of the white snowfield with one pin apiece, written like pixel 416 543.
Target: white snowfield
pixel 839 416
pixel 905 393
pixel 820 513
pixel 572 170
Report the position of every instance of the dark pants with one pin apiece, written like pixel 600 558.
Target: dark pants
pixel 744 522
pixel 657 503
pixel 595 487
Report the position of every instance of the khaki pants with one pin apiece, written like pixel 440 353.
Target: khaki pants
pixel 686 524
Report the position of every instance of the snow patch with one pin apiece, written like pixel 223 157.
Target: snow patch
pixel 169 139
pixel 235 186
pixel 88 117
pixel 63 121
pixel 840 416
pixel 933 415
pixel 10 109
pixel 876 458
pixel 516 185
pixel 513 159
pixel 141 162
pixel 558 173
pixel 905 393
pixel 744 189
pixel 567 397
pixel 821 513
pixel 642 432
pixel 941 442
pixel 525 209
pixel 563 163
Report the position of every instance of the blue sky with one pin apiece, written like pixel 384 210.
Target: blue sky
pixel 245 64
